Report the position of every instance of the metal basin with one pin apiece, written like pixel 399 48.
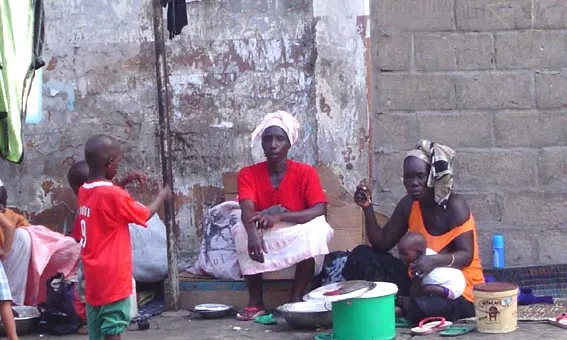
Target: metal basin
pixel 213 310
pixel 307 315
pixel 26 322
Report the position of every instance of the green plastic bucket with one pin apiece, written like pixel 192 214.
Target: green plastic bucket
pixel 371 316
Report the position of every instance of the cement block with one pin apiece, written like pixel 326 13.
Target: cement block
pixel 393 52
pixel 484 205
pixel 491 15
pixel 521 247
pixel 530 128
pixel 415 15
pixel 451 52
pixel 477 170
pixel 535 208
pixel 551 89
pixel 552 246
pixel 415 92
pixel 552 166
pixel 389 173
pixel 495 90
pixel 457 129
pixel 531 49
pixel 550 14
pixel 392 131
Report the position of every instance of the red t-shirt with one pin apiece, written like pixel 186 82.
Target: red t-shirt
pixel 300 188
pixel 104 212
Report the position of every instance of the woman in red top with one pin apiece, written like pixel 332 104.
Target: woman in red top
pixel 283 215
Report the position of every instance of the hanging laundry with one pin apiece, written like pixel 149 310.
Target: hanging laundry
pixel 22 30
pixel 176 16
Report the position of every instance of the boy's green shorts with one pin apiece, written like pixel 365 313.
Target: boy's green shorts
pixel 110 319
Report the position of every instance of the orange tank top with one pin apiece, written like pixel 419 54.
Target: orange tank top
pixel 473 273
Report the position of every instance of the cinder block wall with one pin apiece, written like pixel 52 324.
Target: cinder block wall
pixel 489 78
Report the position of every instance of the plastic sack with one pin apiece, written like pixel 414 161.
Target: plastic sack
pixel 217 254
pixel 149 251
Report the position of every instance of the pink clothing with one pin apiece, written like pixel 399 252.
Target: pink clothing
pixel 51 253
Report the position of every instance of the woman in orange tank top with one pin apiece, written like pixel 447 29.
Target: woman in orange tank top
pixel 442 217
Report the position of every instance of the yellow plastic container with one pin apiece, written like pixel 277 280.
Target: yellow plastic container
pixel 496 307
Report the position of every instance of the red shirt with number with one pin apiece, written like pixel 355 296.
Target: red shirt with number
pixel 104 212
pixel 300 188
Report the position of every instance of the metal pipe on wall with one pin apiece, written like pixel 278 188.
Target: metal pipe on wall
pixel 172 284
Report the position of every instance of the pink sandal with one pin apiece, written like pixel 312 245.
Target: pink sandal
pixel 431 325
pixel 249 313
pixel 559 321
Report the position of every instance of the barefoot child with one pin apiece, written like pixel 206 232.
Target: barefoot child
pixel 5 295
pixel 104 212
pixel 447 283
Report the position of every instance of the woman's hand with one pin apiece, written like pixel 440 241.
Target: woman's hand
pixel 424 265
pixel 256 246
pixel 362 196
pixel 266 221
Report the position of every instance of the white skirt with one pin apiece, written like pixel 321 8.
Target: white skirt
pixel 287 244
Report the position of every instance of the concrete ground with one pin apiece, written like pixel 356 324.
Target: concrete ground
pixel 178 328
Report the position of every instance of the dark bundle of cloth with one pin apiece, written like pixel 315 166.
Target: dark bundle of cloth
pixel 176 16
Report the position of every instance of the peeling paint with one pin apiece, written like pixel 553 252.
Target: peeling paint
pixel 53 88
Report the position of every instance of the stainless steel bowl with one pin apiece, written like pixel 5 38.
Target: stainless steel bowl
pixel 307 315
pixel 213 310
pixel 26 322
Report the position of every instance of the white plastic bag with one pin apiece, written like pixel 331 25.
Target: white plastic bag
pixel 149 251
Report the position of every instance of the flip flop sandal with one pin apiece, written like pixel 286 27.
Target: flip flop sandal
pixel 267 319
pixel 455 330
pixel 325 336
pixel 249 313
pixel 559 321
pixel 431 325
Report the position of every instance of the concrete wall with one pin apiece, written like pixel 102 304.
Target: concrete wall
pixel 99 78
pixel 236 61
pixel 486 77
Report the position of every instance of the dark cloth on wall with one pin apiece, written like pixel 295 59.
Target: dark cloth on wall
pixel 176 16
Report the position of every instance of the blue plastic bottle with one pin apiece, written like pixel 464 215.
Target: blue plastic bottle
pixel 498 251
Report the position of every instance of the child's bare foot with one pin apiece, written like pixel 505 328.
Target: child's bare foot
pixel 399 312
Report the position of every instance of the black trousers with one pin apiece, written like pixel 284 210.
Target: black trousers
pixel 366 263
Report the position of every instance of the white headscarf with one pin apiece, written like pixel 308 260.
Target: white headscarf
pixel 1 183
pixel 280 119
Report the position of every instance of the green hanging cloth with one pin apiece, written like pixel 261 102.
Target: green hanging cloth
pixel 21 42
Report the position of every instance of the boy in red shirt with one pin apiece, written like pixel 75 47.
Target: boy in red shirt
pixel 104 212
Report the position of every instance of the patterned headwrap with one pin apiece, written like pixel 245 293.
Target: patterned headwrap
pixel 440 178
pixel 281 119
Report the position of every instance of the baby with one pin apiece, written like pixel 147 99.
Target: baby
pixel 446 282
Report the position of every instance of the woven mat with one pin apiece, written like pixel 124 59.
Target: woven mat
pixel 538 312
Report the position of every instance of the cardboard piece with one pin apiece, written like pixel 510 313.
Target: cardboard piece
pixel 342 213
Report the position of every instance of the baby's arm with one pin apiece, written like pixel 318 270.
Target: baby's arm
pixel 9 230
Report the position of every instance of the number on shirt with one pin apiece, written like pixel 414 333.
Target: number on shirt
pixel 83 234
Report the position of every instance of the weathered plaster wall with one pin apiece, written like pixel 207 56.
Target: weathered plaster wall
pixel 488 78
pixel 236 61
pixel 99 78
